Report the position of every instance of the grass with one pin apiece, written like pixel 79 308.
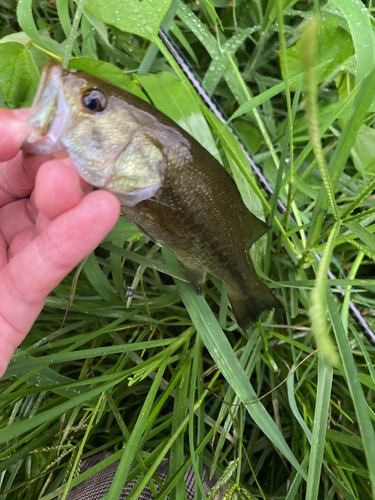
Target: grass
pixel 167 371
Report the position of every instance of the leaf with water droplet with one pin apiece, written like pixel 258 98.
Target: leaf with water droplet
pixel 359 21
pixel 334 47
pixel 134 16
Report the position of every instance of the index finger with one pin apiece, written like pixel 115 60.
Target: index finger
pixel 14 181
pixel 17 171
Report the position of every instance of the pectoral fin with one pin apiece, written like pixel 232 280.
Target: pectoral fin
pixel 196 277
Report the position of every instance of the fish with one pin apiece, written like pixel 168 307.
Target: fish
pixel 169 186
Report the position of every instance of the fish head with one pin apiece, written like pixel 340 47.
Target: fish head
pixel 109 139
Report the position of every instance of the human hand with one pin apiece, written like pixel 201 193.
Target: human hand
pixel 48 224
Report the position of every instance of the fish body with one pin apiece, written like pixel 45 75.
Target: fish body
pixel 169 186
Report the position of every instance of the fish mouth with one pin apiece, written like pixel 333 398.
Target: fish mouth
pixel 49 113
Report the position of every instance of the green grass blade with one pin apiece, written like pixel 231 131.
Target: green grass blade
pixel 364 234
pixel 352 379
pixel 26 21
pixel 14 430
pixel 73 32
pixel 359 21
pixel 325 375
pixel 87 353
pixel 98 279
pixel 139 259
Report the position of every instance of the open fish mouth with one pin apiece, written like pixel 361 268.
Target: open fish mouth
pixel 49 113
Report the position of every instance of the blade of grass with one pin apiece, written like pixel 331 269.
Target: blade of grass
pixel 359 21
pixel 352 379
pixel 197 462
pixel 14 430
pixel 89 353
pixel 99 280
pixel 73 32
pixel 25 19
pixel 139 259
pixel 177 457
pixel 325 376
pixel 64 18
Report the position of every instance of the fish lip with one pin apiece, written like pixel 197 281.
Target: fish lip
pixel 46 107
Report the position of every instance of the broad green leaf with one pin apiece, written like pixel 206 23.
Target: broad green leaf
pixel 19 75
pixel 100 27
pixel 89 48
pixel 334 46
pixel 141 18
pixel 108 72
pixel 199 29
pixel 19 37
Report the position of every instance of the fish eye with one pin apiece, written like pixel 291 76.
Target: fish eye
pixel 94 101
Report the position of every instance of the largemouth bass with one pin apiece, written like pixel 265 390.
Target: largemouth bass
pixel 169 186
